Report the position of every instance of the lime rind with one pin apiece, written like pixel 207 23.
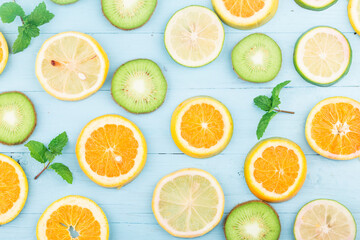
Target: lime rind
pixel 314 5
pixel 64 2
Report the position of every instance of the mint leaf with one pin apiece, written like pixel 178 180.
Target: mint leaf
pixel 263 102
pixel 263 124
pixel 37 151
pixel 31 30
pixel 39 16
pixel 275 94
pixel 58 143
pixel 22 41
pixel 49 155
pixel 63 171
pixel 9 11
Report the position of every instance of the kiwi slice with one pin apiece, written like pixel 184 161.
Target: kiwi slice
pixel 17 118
pixel 128 14
pixel 257 58
pixel 64 2
pixel 139 86
pixel 253 220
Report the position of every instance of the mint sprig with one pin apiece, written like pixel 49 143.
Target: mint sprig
pixel 271 106
pixel 31 23
pixel 44 155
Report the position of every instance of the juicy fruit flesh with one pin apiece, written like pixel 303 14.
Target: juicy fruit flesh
pixel 277 169
pixel 244 8
pixel 9 187
pixel 336 128
pixel 202 126
pixel 1 53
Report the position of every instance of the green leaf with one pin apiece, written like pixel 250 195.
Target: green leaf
pixel 22 41
pixel 263 124
pixel 39 16
pixel 263 102
pixel 49 156
pixel 37 151
pixel 9 11
pixel 63 171
pixel 57 144
pixel 31 30
pixel 275 94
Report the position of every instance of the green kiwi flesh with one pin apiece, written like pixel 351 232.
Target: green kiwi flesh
pixel 64 2
pixel 139 86
pixel 128 14
pixel 253 220
pixel 17 118
pixel 257 58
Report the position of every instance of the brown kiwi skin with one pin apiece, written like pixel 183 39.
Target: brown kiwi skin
pixel 247 203
pixel 17 143
pixel 125 29
pixel 122 106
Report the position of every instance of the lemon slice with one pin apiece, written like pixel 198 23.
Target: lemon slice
pixel 194 36
pixel 188 203
pixel 354 14
pixel 4 52
pixel 71 66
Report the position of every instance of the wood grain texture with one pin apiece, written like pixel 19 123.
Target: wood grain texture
pixel 129 209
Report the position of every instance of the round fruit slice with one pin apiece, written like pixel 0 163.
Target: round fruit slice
pixel 64 2
pixel 17 118
pixel 324 219
pixel 354 14
pixel 73 217
pixel 245 14
pixel 194 36
pixel 71 66
pixel 111 150
pixel 253 220
pixel 201 127
pixel 13 189
pixel 322 56
pixel 139 86
pixel 275 169
pixel 128 15
pixel 188 203
pixel 257 58
pixel 333 128
pixel 316 5
pixel 4 52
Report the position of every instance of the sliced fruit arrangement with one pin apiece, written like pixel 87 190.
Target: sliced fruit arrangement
pixel 111 150
pixel 275 169
pixel 257 58
pixel 188 203
pixel 71 66
pixel 128 15
pixel 194 36
pixel 322 56
pixel 245 14
pixel 139 86
pixel 17 118
pixel 13 189
pixel 253 220
pixel 354 14
pixel 201 127
pixel 64 2
pixel 73 217
pixel 316 5
pixel 324 219
pixel 4 52
pixel 333 128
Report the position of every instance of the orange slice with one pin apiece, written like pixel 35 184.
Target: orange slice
pixel 333 128
pixel 275 169
pixel 201 127
pixel 4 52
pixel 111 150
pixel 73 217
pixel 13 189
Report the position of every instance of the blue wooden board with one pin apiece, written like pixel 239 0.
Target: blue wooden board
pixel 129 209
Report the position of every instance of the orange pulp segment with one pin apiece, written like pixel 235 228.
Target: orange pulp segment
pixel 244 8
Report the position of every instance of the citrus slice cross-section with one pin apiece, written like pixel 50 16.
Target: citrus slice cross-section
pixel 275 169
pixel 4 52
pixel 324 219
pixel 13 189
pixel 111 150
pixel 333 128
pixel 316 5
pixel 201 127
pixel 188 203
pixel 322 56
pixel 245 14
pixel 354 14
pixel 71 66
pixel 73 217
pixel 194 36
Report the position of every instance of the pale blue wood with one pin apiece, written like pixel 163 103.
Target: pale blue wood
pixel 129 209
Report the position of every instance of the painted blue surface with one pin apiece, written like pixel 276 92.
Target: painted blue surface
pixel 129 209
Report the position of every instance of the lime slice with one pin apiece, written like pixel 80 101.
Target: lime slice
pixel 64 2
pixel 322 56
pixel 324 219
pixel 354 14
pixel 316 5
pixel 194 36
